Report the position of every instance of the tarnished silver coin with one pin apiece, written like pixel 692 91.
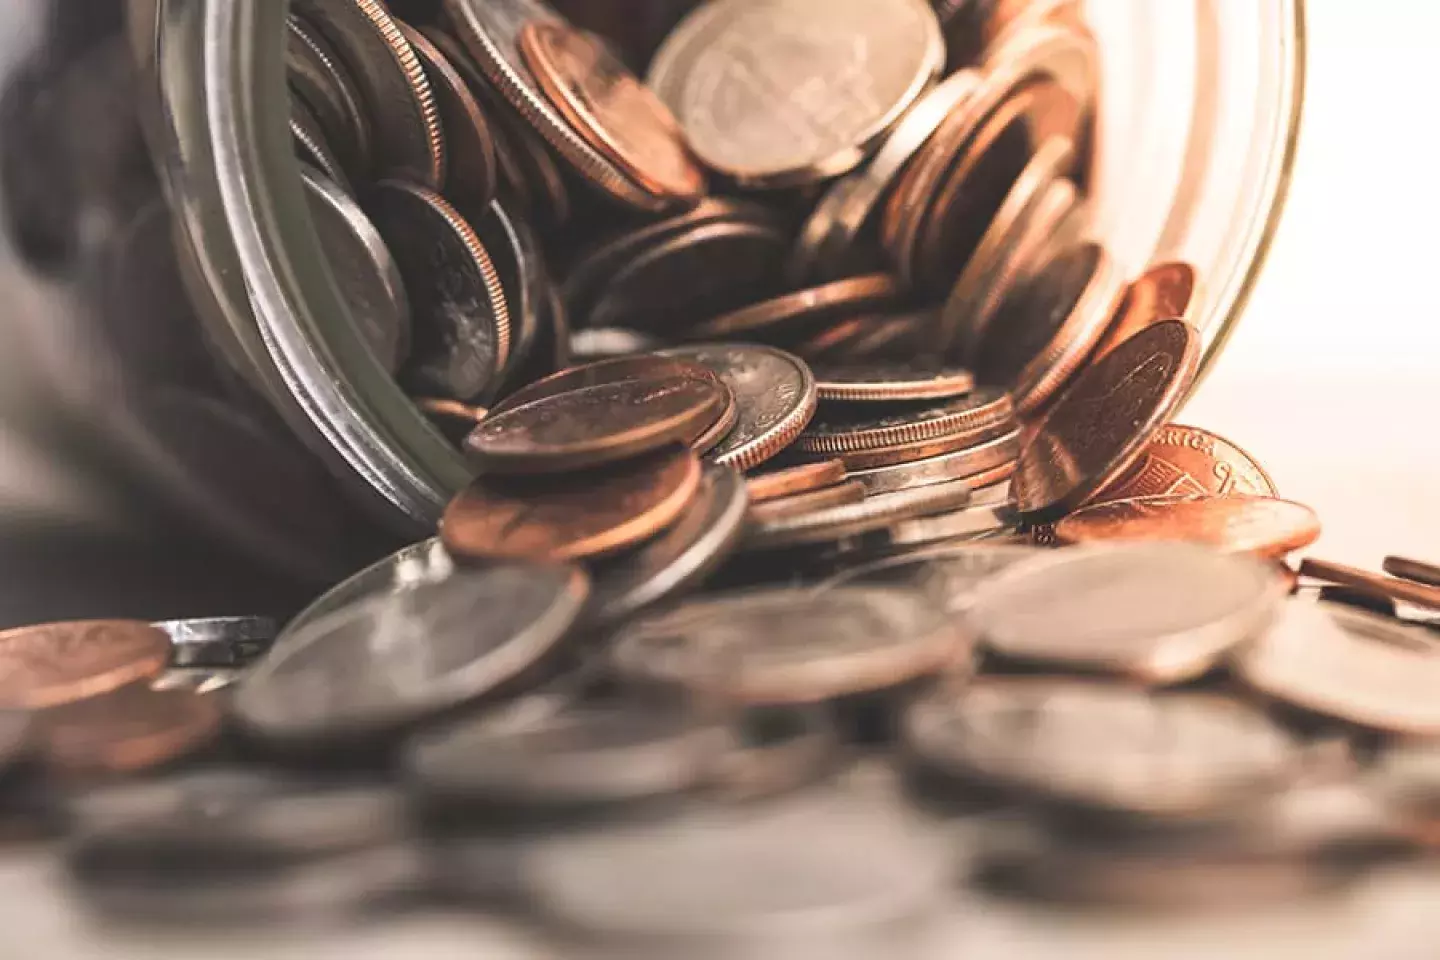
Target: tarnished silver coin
pixel 846 428
pixel 472 174
pixel 774 394
pixel 461 318
pixel 952 575
pixel 870 514
pixel 320 78
pixel 1105 747
pixel 957 465
pixel 219 641
pixel 409 141
pixel 719 71
pixel 1161 613
pixel 379 665
pixel 681 556
pixel 520 264
pixel 419 563
pixel 990 513
pixel 364 270
pixel 312 147
pixel 794 646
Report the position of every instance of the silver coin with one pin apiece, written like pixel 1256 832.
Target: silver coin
pixel 780 93
pixel 774 394
pixel 201 680
pixel 872 513
pixel 989 513
pixel 1105 747
pixel 419 563
pixel 319 78
pixel 956 465
pixel 776 750
pixel 785 645
pixel 1161 613
pixel 219 641
pixel 313 148
pixel 681 556
pixel 606 752
pixel 379 665
pixel 365 272
pixel 604 343
pixel 520 264
pixel 952 575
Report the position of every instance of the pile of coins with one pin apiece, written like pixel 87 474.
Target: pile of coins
pixel 864 513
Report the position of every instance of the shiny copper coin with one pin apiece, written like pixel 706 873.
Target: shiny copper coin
pixel 800 504
pixel 891 381
pixel 1189 461
pixel 568 518
pixel 1165 290
pixel 789 481
pixel 1105 420
pixel 611 108
pixel 451 410
pixel 1264 526
pixel 55 663
pixel 127 731
pixel 1372 584
pixel 597 425
pixel 472 172
pixel 645 366
pixel 1415 570
pixel 793 315
pixel 840 430
pixel 923 449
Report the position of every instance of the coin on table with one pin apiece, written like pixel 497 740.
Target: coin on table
pixel 774 393
pixel 1105 419
pixel 719 68
pixel 1108 748
pixel 50 664
pixel 877 381
pixel 219 641
pixel 643 366
pixel 1163 291
pixel 845 429
pixel 794 646
pixel 490 31
pixel 458 308
pixel 788 481
pixel 1184 461
pixel 776 750
pixel 1263 526
pixel 1372 584
pixel 790 316
pixel 379 665
pixel 953 575
pixel 678 558
pixel 1049 325
pixel 1320 662
pixel 366 274
pixel 1416 570
pixel 409 140
pixel 320 79
pixel 872 513
pixel 127 731
pixel 472 174
pixel 801 504
pixel 609 106
pixel 702 271
pixel 566 518
pixel 597 425
pixel 621 750
pixel 1159 613
pixel 957 465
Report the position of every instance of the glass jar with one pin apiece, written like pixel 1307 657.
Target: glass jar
pixel 108 468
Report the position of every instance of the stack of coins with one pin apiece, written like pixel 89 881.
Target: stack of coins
pixel 743 612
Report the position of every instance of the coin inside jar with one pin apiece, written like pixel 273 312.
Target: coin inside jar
pixel 843 429
pixel 788 481
pixel 785 317
pixel 891 381
pixel 1165 290
pixel 321 80
pixel 472 174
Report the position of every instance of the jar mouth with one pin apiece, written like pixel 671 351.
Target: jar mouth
pixel 271 304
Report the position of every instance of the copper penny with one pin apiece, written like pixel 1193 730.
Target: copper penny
pixel 451 410
pixel 569 518
pixel 1189 461
pixel 472 170
pixel 1264 526
pixel 793 315
pixel 1105 420
pixel 923 449
pixel 645 366
pixel 127 731
pixel 891 381
pixel 611 108
pixel 789 481
pixel 55 663
pixel 1416 570
pixel 1372 584
pixel 801 504
pixel 597 425
pixel 840 430
pixel 1165 290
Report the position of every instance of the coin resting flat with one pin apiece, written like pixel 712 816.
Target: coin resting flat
pixel 1264 526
